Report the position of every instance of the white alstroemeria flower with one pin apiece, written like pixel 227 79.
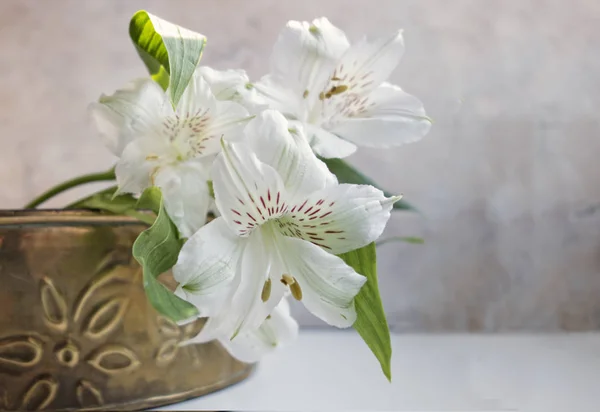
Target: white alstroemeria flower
pixel 283 220
pixel 338 91
pixel 277 331
pixel 172 148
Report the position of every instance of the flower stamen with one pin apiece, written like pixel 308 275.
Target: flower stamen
pixel 266 291
pixel 287 280
pixel 296 290
pixel 338 89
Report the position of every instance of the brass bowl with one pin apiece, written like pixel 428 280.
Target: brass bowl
pixel 76 329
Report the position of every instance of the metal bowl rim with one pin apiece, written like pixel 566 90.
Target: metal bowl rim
pixel 61 217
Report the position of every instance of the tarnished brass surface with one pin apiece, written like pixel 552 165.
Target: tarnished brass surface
pixel 76 329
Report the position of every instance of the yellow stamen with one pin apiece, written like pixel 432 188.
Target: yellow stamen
pixel 266 292
pixel 296 290
pixel 287 280
pixel 338 89
pixel 305 94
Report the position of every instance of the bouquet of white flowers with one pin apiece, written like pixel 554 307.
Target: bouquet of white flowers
pixel 251 201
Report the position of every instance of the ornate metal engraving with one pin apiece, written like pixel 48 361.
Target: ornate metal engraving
pixel 76 330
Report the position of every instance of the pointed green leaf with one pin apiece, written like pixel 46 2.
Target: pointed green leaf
pixel 157 249
pixel 371 323
pixel 347 174
pixel 170 52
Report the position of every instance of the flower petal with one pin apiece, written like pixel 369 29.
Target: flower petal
pixel 302 60
pixel 367 64
pixel 326 144
pixel 186 196
pixel 139 162
pixel 284 147
pixel 340 218
pixel 276 331
pixel 224 84
pixel 197 97
pixel 235 86
pixel 229 122
pixel 224 118
pixel 328 285
pixel 206 266
pixel 245 310
pixel 305 53
pixel 247 192
pixel 130 112
pixel 275 92
pixel 393 118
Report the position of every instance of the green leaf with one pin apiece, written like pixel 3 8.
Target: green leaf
pixel 156 249
pixel 170 52
pixel 105 200
pixel 347 174
pixel 371 323
pixel 151 199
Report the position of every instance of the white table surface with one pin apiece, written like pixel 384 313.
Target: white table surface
pixel 334 371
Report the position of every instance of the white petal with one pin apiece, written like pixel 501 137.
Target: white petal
pixel 234 85
pixel 229 121
pixel 340 218
pixel 206 266
pixel 302 61
pixel 247 191
pixel 284 147
pixel 367 64
pixel 277 331
pixel 326 144
pixel 223 118
pixel 197 97
pixel 328 285
pixel 276 92
pixel 363 68
pixel 185 192
pixel 133 111
pixel 305 54
pixel 245 310
pixel 224 83
pixel 394 118
pixel 139 163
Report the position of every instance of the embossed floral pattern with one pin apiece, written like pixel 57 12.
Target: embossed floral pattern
pixel 87 318
pixel 175 340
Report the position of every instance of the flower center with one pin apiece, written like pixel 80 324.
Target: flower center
pixel 188 133
pixel 67 354
pixel 257 210
pixel 344 95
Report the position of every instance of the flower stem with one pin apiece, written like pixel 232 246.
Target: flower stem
pixel 93 177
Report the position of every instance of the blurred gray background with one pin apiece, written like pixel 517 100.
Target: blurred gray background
pixel 506 182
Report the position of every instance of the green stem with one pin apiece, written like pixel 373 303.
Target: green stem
pixel 93 177
pixel 81 203
pixel 410 239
